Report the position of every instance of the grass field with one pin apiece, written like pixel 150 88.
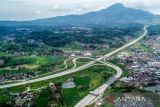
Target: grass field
pixel 82 81
pixel 42 64
pixel 3 54
pixel 71 96
pixel 35 60
pixel 142 46
pixel 122 66
pixel 83 60
pixel 74 46
pixel 4 96
pixel 42 100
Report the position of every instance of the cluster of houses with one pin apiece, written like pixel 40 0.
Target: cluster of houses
pixel 20 76
pixel 145 67
pixel 139 79
pixel 9 38
pixel 77 53
pixel 24 99
pixel 75 29
pixel 154 43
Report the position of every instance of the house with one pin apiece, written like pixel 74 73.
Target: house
pixel 1 62
pixel 87 54
pixel 125 79
pixel 69 84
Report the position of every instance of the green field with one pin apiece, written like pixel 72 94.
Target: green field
pixel 35 60
pixel 102 52
pixel 4 96
pixel 82 81
pixel 3 54
pixel 71 96
pixel 83 60
pixel 75 94
pixel 74 46
pixel 122 66
pixel 42 100
pixel 143 47
pixel 43 64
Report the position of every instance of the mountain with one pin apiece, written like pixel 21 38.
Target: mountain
pixel 115 14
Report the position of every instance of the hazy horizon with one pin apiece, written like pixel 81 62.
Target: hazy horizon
pixel 22 10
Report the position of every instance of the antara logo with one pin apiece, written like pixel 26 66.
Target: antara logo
pixel 130 99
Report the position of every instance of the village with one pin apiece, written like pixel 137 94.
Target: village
pixel 144 66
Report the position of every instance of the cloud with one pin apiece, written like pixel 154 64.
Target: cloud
pixel 38 12
pixel 56 6
pixel 15 9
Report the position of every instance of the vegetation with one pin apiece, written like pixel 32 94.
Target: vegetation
pixel 37 49
pixel 2 72
pixel 32 60
pixel 120 91
pixel 28 64
pixel 86 80
pixel 42 100
pixel 83 60
pixel 71 96
pixel 54 40
pixel 121 65
pixel 82 81
pixel 4 97
pixel 154 30
pixel 143 47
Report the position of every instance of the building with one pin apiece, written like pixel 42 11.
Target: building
pixel 1 62
pixel 69 84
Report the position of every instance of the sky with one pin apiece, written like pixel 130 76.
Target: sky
pixel 19 10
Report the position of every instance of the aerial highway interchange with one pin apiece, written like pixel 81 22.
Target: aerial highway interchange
pixel 94 95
